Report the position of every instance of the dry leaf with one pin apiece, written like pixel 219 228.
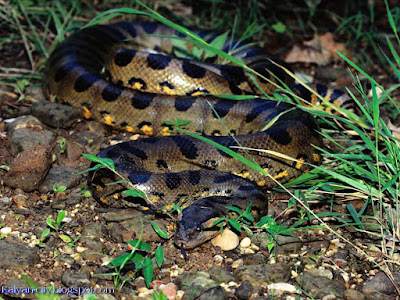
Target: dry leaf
pixel 321 50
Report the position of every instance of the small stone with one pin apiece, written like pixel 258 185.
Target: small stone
pixel 262 274
pixel 54 114
pixel 353 295
pixel 321 272
pixel 170 291
pixel 28 168
pixel 6 230
pixel 15 255
pixel 245 243
pixel 244 291
pixel 23 122
pixel 220 274
pixel 281 288
pixel 228 240
pixel 80 249
pixel 14 288
pixel 61 176
pixel 381 284
pixel 24 139
pixel 76 279
pixel 237 263
pixel 288 244
pixel 35 93
pixel 20 201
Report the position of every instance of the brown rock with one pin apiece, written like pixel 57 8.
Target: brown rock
pixel 28 168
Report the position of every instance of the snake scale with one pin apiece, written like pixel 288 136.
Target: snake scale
pixel 119 74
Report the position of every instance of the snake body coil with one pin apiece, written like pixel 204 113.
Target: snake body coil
pixel 89 71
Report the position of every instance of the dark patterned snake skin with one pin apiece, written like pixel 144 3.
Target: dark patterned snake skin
pixel 119 74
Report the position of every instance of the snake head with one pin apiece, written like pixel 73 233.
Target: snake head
pixel 194 225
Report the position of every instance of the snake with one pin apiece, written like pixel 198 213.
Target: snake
pixel 130 76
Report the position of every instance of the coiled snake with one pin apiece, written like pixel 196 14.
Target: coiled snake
pixel 95 70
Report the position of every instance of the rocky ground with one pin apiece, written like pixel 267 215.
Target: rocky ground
pixel 41 145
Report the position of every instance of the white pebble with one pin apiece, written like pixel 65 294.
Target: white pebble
pixel 245 243
pixel 228 240
pixel 6 230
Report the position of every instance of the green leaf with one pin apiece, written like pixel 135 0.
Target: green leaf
pixel 148 270
pixel 279 27
pixel 235 209
pixel 354 215
pixel 135 193
pixel 159 255
pixel 52 223
pixel 235 224
pixel 121 260
pixel 140 245
pixel 160 232
pixel 60 216
pixel 65 238
pixel 45 233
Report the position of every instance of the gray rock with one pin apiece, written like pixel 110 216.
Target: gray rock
pixel 74 197
pixel 23 139
pixel 92 231
pixel 319 287
pixel 353 295
pixel 381 284
pixel 35 92
pixel 148 235
pixel 14 255
pixel 287 244
pixel 54 114
pixel 62 176
pixel 13 288
pixel 200 286
pixel 28 168
pixel 261 274
pixel 23 122
pixel 220 274
pixel 121 215
pixel 244 291
pixel 76 279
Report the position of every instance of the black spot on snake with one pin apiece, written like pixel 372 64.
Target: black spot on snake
pixel 142 100
pixel 247 188
pixel 149 27
pixel 161 164
pixel 194 177
pixel 135 151
pixel 256 111
pixel 167 84
pixel 233 74
pixel 138 177
pixel 335 94
pixel 158 62
pixel 173 181
pixel 222 108
pixel 223 178
pixel 186 146
pixel 322 89
pixel 183 103
pixel 63 70
pixel 84 82
pixel 128 27
pixel 198 90
pixel 193 70
pixel 280 135
pixel 133 80
pixel 111 92
pixel 144 123
pixel 124 57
